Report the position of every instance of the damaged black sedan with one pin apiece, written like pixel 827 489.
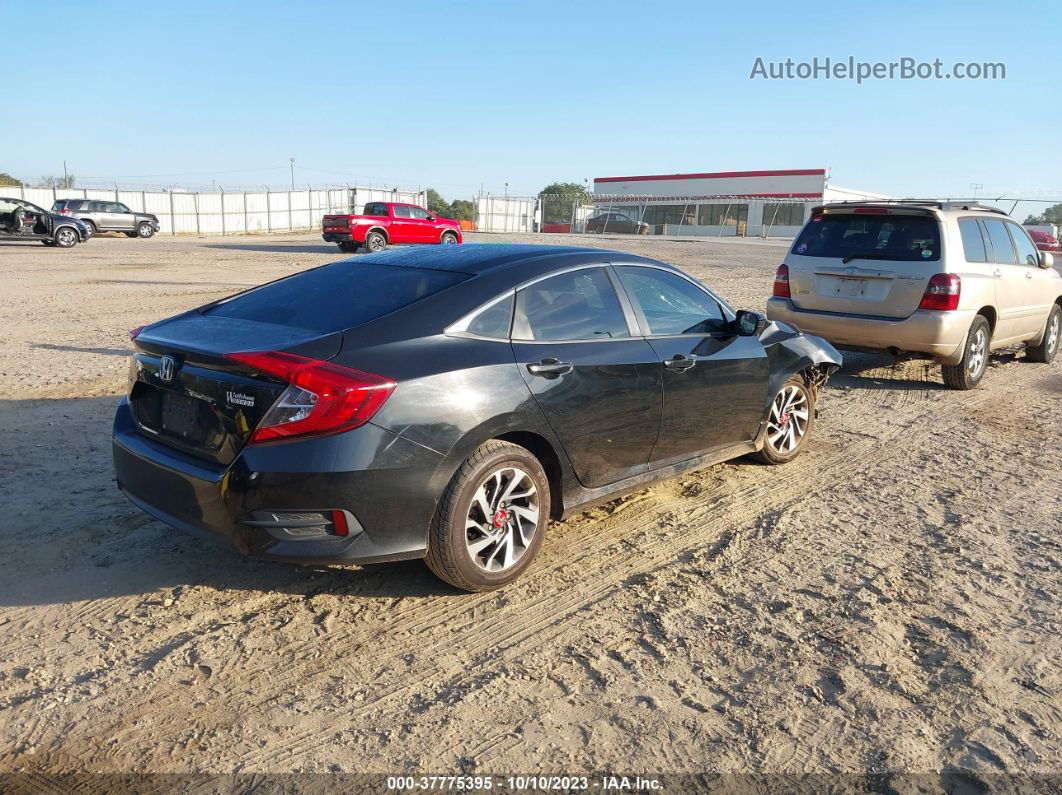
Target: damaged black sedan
pixel 448 403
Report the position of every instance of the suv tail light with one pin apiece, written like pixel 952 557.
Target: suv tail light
pixel 321 398
pixel 64 211
pixel 781 282
pixel 942 292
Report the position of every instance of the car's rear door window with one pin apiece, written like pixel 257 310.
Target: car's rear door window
pixel 578 305
pixel 873 236
pixel 1002 246
pixel 376 210
pixel 973 244
pixel 336 297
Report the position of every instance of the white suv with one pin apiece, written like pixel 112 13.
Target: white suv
pixel 939 280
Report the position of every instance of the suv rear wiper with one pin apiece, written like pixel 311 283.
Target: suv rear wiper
pixel 868 255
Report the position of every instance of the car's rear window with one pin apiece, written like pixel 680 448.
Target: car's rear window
pixel 888 237
pixel 338 296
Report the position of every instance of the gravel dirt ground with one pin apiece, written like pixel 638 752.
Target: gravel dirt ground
pixel 883 610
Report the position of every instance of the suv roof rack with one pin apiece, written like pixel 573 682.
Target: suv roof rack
pixel 940 204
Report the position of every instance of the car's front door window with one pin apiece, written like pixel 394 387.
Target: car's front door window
pixel 670 304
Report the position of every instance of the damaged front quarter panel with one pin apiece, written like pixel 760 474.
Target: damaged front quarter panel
pixel 790 351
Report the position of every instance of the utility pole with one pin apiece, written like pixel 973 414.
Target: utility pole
pixel 66 179
pixel 292 159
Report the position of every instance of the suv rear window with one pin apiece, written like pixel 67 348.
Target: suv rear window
pixel 336 297
pixel 888 237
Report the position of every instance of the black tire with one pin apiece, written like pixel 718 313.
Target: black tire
pixel 91 227
pixel 145 230
pixel 448 238
pixel 968 373
pixel 1048 347
pixel 348 246
pixel 131 234
pixel 65 237
pixel 449 555
pixel 375 241
pixel 49 243
pixel 790 426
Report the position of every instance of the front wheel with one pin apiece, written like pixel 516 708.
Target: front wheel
pixel 375 241
pixel 448 238
pixel 968 373
pixel 491 519
pixel 1048 347
pixel 789 422
pixel 145 230
pixel 65 237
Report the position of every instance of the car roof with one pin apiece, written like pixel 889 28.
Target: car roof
pixel 479 258
pixel 943 206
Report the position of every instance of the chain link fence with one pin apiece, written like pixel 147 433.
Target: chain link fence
pixel 692 216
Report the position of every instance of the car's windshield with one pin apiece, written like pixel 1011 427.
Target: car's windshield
pixel 336 297
pixel 888 237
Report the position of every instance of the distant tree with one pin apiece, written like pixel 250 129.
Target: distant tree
pixel 57 182
pixel 462 210
pixel 7 179
pixel 1052 215
pixel 437 205
pixel 558 198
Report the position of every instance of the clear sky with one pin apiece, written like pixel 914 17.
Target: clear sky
pixel 456 95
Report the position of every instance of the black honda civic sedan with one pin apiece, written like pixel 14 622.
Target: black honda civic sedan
pixel 447 403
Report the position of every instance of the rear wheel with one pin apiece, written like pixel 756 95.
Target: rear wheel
pixel 491 519
pixel 1048 347
pixel 789 421
pixel 145 230
pixel 448 238
pixel 91 227
pixel 375 241
pixel 65 237
pixel 968 373
pixel 348 246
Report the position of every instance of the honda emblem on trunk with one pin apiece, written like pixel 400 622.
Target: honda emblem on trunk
pixel 167 367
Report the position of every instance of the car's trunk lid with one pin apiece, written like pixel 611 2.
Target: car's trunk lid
pixel 185 394
pixel 873 265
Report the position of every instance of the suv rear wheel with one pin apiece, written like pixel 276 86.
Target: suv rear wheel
pixel 90 226
pixel 968 373
pixel 1048 347
pixel 491 519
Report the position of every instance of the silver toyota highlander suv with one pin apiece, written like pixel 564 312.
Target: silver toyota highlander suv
pixel 946 281
pixel 107 216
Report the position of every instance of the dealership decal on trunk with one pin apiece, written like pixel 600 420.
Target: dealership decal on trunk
pixel 239 399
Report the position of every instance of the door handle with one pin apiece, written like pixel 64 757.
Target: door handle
pixel 550 367
pixel 680 362
pixel 997 273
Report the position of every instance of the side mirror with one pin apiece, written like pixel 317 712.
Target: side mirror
pixel 430 218
pixel 1047 260
pixel 750 324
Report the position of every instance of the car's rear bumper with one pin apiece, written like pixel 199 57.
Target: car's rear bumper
pixel 337 237
pixel 934 333
pixel 386 485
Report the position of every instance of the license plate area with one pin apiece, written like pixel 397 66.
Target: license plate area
pixel 180 415
pixel 850 288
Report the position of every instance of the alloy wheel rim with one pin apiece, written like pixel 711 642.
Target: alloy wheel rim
pixel 502 519
pixel 66 236
pixel 788 420
pixel 977 353
pixel 145 230
pixel 1052 334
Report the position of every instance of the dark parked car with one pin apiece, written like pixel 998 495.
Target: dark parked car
pixel 618 223
pixel 20 220
pixel 448 402
pixel 101 216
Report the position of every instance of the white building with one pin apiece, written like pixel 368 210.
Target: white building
pixel 747 203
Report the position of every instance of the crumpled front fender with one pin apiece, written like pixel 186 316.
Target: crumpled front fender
pixel 790 351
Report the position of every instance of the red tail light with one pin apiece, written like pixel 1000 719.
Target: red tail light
pixel 781 282
pixel 64 211
pixel 321 397
pixel 942 292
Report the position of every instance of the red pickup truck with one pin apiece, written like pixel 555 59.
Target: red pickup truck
pixel 388 222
